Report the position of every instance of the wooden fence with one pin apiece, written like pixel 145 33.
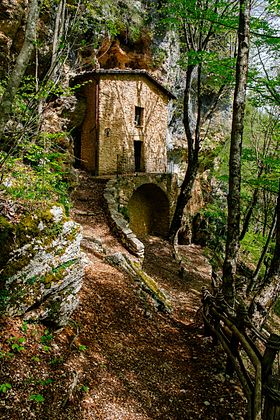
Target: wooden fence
pixel 250 354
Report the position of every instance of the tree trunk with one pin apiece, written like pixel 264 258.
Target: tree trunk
pixel 267 296
pixel 262 256
pixel 20 66
pixel 233 232
pixel 58 33
pixel 249 213
pixel 184 197
pixel 193 148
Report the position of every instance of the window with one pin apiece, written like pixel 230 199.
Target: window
pixel 139 113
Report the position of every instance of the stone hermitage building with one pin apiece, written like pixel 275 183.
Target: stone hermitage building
pixel 125 125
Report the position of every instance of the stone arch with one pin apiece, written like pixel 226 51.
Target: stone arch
pixel 148 211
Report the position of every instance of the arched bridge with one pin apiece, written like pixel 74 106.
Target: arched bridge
pixel 142 204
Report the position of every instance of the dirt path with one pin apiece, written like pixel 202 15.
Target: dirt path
pixel 120 358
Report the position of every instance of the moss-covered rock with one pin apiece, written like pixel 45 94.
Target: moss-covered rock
pixel 146 282
pixel 42 266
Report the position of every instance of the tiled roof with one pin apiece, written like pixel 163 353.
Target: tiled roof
pixel 87 75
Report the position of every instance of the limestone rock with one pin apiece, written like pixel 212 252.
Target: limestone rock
pixel 43 270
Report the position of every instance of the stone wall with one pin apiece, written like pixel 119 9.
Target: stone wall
pixel 119 224
pixel 128 185
pixel 118 97
pixel 109 133
pixel 118 194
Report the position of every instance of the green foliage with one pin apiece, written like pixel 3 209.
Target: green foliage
pixel 16 344
pixel 24 327
pixel 82 348
pixel 45 382
pixel 84 388
pixel 5 387
pixel 38 398
pixel 39 175
pixel 47 337
pixel 34 166
pixel 215 216
pixel 109 18
pixel 252 245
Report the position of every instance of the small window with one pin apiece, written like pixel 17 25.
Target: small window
pixel 139 113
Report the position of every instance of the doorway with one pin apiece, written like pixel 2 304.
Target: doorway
pixel 138 155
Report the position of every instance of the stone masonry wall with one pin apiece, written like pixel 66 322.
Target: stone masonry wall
pixel 127 185
pixel 118 222
pixel 118 97
pixel 117 194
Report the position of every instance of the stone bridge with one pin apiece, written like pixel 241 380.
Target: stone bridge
pixel 141 205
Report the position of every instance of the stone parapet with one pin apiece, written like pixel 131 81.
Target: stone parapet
pixel 118 222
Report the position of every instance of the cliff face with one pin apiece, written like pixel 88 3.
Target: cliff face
pixel 12 19
pixel 120 34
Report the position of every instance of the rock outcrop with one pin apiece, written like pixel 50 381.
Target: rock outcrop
pixel 41 266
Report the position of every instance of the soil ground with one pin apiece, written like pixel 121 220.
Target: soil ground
pixel 119 357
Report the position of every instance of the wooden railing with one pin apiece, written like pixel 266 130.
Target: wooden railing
pixel 250 354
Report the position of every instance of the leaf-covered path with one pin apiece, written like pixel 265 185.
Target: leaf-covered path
pixel 147 364
pixel 120 358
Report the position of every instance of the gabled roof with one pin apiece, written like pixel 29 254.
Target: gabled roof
pixel 87 75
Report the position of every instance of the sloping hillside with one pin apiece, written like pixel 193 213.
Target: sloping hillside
pixel 119 358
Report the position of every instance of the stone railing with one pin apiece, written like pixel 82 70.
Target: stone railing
pixel 119 224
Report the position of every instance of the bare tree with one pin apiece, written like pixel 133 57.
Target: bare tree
pixel 199 32
pixel 269 293
pixel 233 224
pixel 21 64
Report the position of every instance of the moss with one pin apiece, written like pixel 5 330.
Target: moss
pixel 15 236
pixel 58 273
pixel 32 234
pixel 124 211
pixel 28 227
pixel 53 277
pixel 16 265
pixel 152 286
pixel 32 280
pixel 23 294
pixel 73 234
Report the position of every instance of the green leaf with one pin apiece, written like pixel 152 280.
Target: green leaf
pixel 37 397
pixel 5 387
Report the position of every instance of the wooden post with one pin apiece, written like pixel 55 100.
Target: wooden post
pixel 272 399
pixel 272 348
pixel 206 301
pixel 241 314
pixel 233 345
